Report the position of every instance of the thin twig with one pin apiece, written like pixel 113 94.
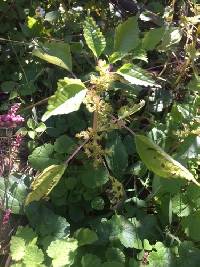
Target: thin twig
pixel 36 104
pixel 76 151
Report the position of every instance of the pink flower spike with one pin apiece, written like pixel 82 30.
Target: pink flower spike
pixel 6 216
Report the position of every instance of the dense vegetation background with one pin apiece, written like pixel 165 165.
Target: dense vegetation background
pixel 99 133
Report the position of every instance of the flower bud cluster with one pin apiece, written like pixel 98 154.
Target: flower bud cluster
pixel 11 119
pixel 6 216
pixel 17 142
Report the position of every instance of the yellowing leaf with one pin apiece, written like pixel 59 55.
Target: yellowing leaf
pixel 45 182
pixel 56 53
pixel 158 161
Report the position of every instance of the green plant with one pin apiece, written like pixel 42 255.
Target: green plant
pixel 115 154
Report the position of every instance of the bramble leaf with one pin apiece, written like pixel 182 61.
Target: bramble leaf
pixel 94 37
pixel 56 53
pixel 159 161
pixel 126 35
pixel 45 182
pixel 67 98
pixel 136 75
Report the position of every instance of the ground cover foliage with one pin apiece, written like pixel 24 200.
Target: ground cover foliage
pixel 99 119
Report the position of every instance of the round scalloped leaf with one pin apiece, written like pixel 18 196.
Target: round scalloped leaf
pixel 62 252
pixel 89 260
pixel 34 256
pixel 85 236
pixel 17 248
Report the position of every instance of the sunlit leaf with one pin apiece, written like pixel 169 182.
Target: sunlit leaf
pixel 56 53
pixel 159 161
pixel 94 37
pixel 67 98
pixel 136 75
pixel 45 182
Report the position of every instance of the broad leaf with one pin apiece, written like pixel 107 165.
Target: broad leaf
pixel 161 257
pixel 94 177
pixel 159 161
pixel 56 53
pixel 172 36
pixel 89 260
pixel 62 252
pixel 152 38
pixel 14 191
pixel 94 37
pixel 117 158
pixel 85 236
pixel 136 75
pixel 125 231
pixel 45 182
pixel 42 157
pixel 67 98
pixel 190 225
pixel 127 35
pixel 46 222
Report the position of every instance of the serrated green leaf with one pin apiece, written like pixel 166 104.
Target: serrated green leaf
pixel 136 75
pixel 161 257
pixel 89 260
pixel 85 236
pixel 117 157
pixel 45 182
pixel 27 234
pixel 62 252
pixel 42 157
pixel 67 98
pixel 125 231
pixel 159 161
pixel 46 222
pixel 17 248
pixel 64 144
pixel 56 53
pixel 152 38
pixel 33 257
pixel 94 37
pixel 94 177
pixel 126 35
pixel 171 36
pixel 113 253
